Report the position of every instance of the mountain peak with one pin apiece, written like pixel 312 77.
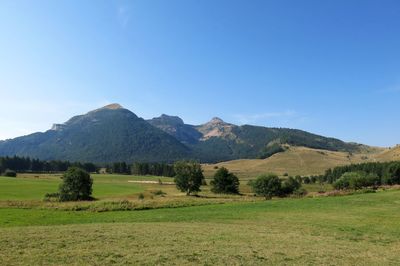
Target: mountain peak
pixel 167 120
pixel 216 120
pixel 113 106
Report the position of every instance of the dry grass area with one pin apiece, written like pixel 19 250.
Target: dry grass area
pixel 392 154
pixel 300 161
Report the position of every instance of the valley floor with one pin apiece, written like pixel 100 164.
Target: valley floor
pixel 361 229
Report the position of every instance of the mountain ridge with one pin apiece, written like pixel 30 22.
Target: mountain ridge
pixel 113 133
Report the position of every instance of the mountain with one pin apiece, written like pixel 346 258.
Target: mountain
pixel 174 126
pixel 220 141
pixel 113 133
pixel 108 134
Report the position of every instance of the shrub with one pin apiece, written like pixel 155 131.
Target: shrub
pixel 10 173
pixel 290 185
pixel 159 193
pixel 300 192
pixel 313 179
pixel 76 185
pixel 306 180
pixel 267 186
pixel 141 196
pixel 189 176
pixel 52 197
pixel 225 182
pixel 341 183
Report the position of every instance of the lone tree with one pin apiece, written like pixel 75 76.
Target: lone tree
pixel 267 186
pixel 76 185
pixel 189 176
pixel 225 182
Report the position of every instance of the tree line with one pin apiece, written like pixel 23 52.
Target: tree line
pixel 156 169
pixel 26 164
pixel 384 173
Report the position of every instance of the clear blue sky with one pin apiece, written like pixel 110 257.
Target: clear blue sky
pixel 329 67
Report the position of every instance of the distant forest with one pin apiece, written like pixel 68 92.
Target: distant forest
pixel 385 173
pixel 156 169
pixel 26 164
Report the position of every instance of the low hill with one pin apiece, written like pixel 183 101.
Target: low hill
pixel 392 154
pixel 294 161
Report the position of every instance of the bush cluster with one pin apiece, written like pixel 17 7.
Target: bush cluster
pixel 270 185
pixel 10 173
pixel 356 180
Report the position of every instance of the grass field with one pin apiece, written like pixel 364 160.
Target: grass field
pixel 34 187
pixel 359 229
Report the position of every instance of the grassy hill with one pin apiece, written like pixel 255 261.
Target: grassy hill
pixel 297 161
pixel 392 154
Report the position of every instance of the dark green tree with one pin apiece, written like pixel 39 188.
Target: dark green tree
pixel 392 173
pixel 306 180
pixel 76 185
pixel 353 180
pixel 267 186
pixel 225 182
pixel 189 176
pixel 290 185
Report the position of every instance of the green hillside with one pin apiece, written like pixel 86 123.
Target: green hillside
pixel 104 135
pixel 221 141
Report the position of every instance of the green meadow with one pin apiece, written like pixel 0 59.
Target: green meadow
pixel 34 187
pixel 359 229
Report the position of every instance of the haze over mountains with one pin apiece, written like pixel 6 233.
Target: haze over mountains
pixel 113 133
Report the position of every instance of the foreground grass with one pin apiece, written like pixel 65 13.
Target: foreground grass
pixel 359 229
